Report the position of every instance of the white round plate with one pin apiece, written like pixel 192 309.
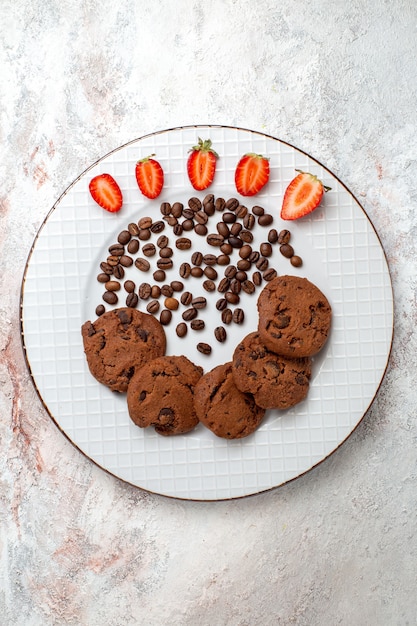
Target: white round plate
pixel 341 254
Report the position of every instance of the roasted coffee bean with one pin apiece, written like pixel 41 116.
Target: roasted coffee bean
pixel 246 236
pixel 229 217
pixel 188 225
pixel 171 303
pixel 230 271
pixel 235 242
pixel 106 268
pixel 221 304
pixel 238 316
pixel 153 307
pixel 183 243
pixel 204 348
pixel 186 298
pixel 197 258
pixel 243 264
pixel 188 214
pixel 296 261
pixel 201 229
pixel 220 204
pixel 165 317
pixel 235 229
pixel 199 303
pixel 181 329
pixel 133 246
pixel 155 291
pixel 208 199
pixel 226 248
pixel 157 227
pixel 198 324
pixel 269 274
pixel 118 272
pixel 159 276
pixel 223 285
pixel 117 249
pixel 215 239
pixel 165 264
pixel 209 285
pixel 166 253
pixel 254 256
pixel 249 221
pixel 148 249
pixel 209 209
pixel 286 250
pixel 178 230
pixel 283 237
pixel 232 204
pixel 248 286
pixel 167 290
pixel 245 251
pixel 145 222
pixel 273 235
pixel 210 272
pixel 133 229
pixel 201 217
pixel 126 260
pixel 165 208
pixel 262 263
pixel 177 285
pixel 144 234
pixel 258 210
pixel 144 291
pixel 220 333
pixel 103 277
pixel 110 297
pixel 223 229
pixel 241 276
pixel 235 286
pixel 113 260
pixel 112 285
pixel 227 316
pixel 241 212
pixel 171 220
pixel 100 309
pixel 209 259
pixel 162 241
pixel 129 286
pixel 232 298
pixel 223 259
pixel 257 278
pixel 197 272
pixel 265 219
pixel 142 264
pixel 189 314
pixel 124 237
pixel 176 209
pixel 265 249
pixel 195 204
pixel 132 300
pixel 185 270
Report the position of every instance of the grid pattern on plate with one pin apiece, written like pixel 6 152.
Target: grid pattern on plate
pixel 341 254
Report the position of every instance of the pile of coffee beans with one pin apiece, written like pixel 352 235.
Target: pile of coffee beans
pixel 146 246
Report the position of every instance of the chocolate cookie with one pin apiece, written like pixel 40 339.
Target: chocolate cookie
pixel 222 408
pixel 119 342
pixel 294 316
pixel 276 382
pixel 160 394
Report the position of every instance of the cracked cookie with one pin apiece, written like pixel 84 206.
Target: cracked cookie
pixel 294 316
pixel 275 381
pixel 119 342
pixel 223 408
pixel 160 394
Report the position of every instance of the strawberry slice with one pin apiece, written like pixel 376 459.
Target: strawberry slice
pixel 149 176
pixel 201 164
pixel 252 173
pixel 106 192
pixel 302 196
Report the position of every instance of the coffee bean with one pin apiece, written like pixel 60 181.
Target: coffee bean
pixel 188 214
pixel 197 324
pixel 145 223
pixel 286 250
pixel 153 307
pixel 197 272
pixel 235 242
pixel 238 316
pixel 226 248
pixel 166 253
pixel 116 249
pixel 283 237
pixel 144 291
pixel 132 300
pixel 178 230
pixel 223 285
pixel 110 297
pixel 164 264
pixel 189 314
pixel 204 348
pixel 167 290
pixel 296 261
pixel 209 209
pixel 208 199
pixel 171 304
pixel 223 229
pixel 201 217
pixel 197 258
pixel 157 227
pixel 232 298
pixel 162 241
pixel 171 220
pixel 227 316
pixel 133 229
pixel 221 304
pixel 235 286
pixel 269 274
pixel 185 270
pixel 230 271
pixel 220 204
pixel 215 239
pixel 223 259
pixel 126 260
pixel 257 278
pixel 159 276
pixel 186 298
pixel 254 256
pixel 165 317
pixel 100 310
pixel 188 225
pixel 258 210
pixel 220 333
pixel 103 277
pixel 177 285
pixel 144 234
pixel 232 204
pixel 142 264
pixel 246 236
pixel 245 251
pixel 113 260
pixel 133 246
pixel 181 329
pixel 201 230
pixel 199 303
pixel 243 264
pixel 262 263
pixel 241 276
pixel 249 221
pixel 235 229
pixel 183 243
pixel 112 285
pixel 155 291
pixel 129 286
pixel 124 237
pixel 265 219
pixel 176 209
pixel 209 285
pixel 106 268
pixel 229 217
pixel 241 212
pixel 195 204
pixel 210 272
pixel 265 249
pixel 165 208
pixel 248 286
pixel 148 249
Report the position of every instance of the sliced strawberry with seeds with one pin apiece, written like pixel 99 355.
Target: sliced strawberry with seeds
pixel 149 176
pixel 106 192
pixel 201 164
pixel 252 173
pixel 302 196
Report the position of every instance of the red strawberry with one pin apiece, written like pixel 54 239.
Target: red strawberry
pixel 303 195
pixel 201 164
pixel 106 192
pixel 149 176
pixel 252 173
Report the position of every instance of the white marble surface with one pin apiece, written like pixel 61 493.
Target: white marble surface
pixel 336 79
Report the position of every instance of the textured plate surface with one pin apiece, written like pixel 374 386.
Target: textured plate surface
pixel 341 254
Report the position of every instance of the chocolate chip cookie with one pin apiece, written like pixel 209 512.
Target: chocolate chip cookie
pixel 160 394
pixel 223 408
pixel 119 342
pixel 275 381
pixel 294 316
